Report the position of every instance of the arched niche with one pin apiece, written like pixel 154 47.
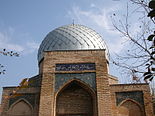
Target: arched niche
pixel 130 108
pixel 76 99
pixel 20 108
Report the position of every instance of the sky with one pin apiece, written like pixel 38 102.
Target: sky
pixel 25 23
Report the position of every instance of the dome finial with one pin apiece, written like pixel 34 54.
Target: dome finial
pixel 73 22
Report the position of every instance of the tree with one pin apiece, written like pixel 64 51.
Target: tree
pixel 6 53
pixel 150 73
pixel 139 55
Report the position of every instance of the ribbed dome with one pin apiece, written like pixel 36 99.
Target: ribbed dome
pixel 72 37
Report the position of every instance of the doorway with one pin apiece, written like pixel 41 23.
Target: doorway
pixel 74 100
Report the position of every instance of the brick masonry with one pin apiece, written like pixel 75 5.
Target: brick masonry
pixel 28 94
pixel 54 95
pixel 130 88
pixel 48 95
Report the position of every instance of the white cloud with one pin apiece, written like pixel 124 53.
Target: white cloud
pixel 4 43
pixel 30 47
pixel 92 5
pixel 3 37
pixel 33 45
pixel 8 41
pixel 117 46
pixel 75 13
pixel 10 46
pixel 100 17
pixel 100 20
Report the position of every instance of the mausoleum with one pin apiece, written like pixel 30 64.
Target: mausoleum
pixel 74 80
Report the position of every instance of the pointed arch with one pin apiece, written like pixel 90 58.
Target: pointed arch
pixel 78 81
pixel 130 107
pixel 131 101
pixel 81 89
pixel 21 107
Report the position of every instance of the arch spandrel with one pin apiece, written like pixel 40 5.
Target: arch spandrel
pixel 88 78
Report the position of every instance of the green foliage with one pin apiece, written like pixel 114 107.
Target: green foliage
pixel 152 4
pixel 4 52
pixel 150 73
pixel 8 53
pixel 150 38
pixel 151 14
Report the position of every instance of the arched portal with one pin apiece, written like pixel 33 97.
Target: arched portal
pixel 20 108
pixel 130 108
pixel 75 100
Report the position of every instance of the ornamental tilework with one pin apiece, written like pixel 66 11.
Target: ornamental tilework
pixel 134 95
pixel 88 78
pixel 75 67
pixel 27 96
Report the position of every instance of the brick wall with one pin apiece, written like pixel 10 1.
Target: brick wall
pixel 146 106
pixel 101 97
pixel 112 79
pixel 8 101
pixel 48 98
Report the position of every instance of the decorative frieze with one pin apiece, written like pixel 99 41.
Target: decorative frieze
pixel 75 67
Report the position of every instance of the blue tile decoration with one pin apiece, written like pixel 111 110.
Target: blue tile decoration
pixel 134 95
pixel 75 67
pixel 88 78
pixel 30 97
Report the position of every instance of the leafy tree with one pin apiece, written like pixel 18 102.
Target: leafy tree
pixel 6 53
pixel 150 73
pixel 139 56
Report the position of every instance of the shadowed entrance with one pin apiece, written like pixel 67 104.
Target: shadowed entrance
pixel 21 108
pixel 130 108
pixel 74 100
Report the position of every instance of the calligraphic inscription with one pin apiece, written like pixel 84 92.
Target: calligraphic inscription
pixel 75 67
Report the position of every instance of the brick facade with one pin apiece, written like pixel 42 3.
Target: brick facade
pixel 146 104
pixel 87 91
pixel 65 57
pixel 30 95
